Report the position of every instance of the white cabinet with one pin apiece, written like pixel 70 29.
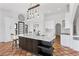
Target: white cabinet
pixel 65 40
pixel 67 20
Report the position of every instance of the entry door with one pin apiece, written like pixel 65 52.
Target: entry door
pixel 58 29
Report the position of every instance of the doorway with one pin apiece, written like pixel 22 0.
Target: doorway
pixel 76 23
pixel 57 41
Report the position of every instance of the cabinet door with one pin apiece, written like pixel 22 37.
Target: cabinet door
pixel 21 42
pixel 65 40
pixel 35 44
pixel 29 44
pixel 24 43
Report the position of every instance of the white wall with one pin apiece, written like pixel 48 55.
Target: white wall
pixel 2 28
pixel 52 20
pixel 8 16
pixel 7 21
pixel 9 27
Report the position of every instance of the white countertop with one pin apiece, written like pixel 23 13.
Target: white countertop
pixel 43 38
pixel 75 35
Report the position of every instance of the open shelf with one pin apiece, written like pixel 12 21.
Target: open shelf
pixel 45 48
pixel 43 54
pixel 45 44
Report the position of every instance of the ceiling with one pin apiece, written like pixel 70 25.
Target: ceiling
pixel 47 8
pixel 54 8
pixel 14 7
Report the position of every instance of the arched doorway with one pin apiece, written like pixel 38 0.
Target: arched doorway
pixel 76 23
pixel 58 29
pixel 57 43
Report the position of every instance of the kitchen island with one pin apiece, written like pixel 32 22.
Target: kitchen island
pixel 38 45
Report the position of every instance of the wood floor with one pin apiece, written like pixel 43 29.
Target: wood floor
pixel 60 50
pixel 57 43
pixel 6 50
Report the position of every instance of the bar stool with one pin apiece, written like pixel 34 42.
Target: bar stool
pixel 15 42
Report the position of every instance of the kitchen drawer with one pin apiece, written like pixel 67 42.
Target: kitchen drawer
pixel 45 50
pixel 46 43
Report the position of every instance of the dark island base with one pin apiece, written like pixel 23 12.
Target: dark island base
pixel 37 47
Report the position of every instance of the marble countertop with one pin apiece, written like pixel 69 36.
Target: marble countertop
pixel 65 33
pixel 43 38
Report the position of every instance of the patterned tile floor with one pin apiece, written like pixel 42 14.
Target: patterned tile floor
pixel 65 51
pixel 6 50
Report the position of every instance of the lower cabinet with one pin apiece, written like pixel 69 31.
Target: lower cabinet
pixel 65 40
pixel 45 48
pixel 36 46
pixel 21 43
pixel 28 44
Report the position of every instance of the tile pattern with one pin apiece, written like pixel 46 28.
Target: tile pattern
pixel 57 43
pixel 65 51
pixel 6 50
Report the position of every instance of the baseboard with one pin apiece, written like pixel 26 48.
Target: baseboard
pixel 4 41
